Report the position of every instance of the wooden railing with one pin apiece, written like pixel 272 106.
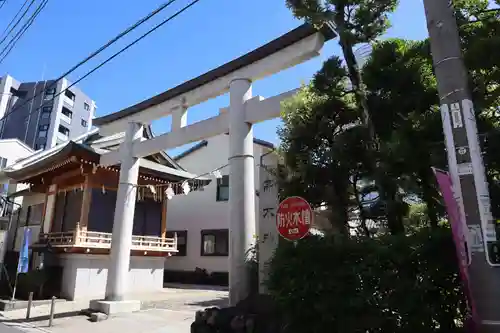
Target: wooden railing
pixel 102 240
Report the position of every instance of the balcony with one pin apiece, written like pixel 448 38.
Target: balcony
pixel 69 101
pixel 93 240
pixel 66 119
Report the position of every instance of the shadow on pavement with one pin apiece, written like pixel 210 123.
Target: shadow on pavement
pixel 194 287
pixel 42 318
pixel 218 302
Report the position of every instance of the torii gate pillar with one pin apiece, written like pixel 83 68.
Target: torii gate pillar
pixel 241 190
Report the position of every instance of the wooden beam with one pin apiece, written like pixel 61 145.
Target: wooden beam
pixel 67 175
pixel 86 201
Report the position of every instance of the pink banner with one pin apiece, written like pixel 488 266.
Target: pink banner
pixel 459 236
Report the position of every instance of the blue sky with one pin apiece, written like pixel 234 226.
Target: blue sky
pixel 209 34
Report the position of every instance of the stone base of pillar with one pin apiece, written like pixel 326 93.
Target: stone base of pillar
pixel 114 307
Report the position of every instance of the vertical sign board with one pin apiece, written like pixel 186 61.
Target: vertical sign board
pixel 294 218
pixel 22 266
pixel 266 228
pixel 460 235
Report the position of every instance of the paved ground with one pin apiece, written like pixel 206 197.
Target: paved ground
pixel 8 329
pixel 170 311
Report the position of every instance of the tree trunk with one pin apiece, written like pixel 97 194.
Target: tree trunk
pixel 394 218
pixel 428 195
pixel 339 208
pixel 362 216
pixel 355 77
pixel 361 99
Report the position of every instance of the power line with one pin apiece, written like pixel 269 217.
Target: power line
pixel 156 27
pixel 95 53
pixel 18 21
pixel 3 3
pixel 192 3
pixel 23 30
pixel 15 17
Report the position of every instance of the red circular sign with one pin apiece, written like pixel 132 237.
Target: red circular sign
pixel 294 218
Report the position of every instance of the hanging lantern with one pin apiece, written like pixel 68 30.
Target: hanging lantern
pixel 152 189
pixel 186 188
pixel 169 192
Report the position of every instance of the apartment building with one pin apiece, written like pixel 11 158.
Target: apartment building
pixel 53 116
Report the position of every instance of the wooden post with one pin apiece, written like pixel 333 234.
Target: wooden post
pixel 76 234
pixel 164 219
pixel 50 207
pixel 86 201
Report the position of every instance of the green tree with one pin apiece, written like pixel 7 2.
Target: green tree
pixel 356 21
pixel 402 98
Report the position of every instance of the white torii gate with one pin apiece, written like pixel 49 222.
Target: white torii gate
pixel 236 77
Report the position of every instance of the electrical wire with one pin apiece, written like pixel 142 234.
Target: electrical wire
pixel 192 3
pixel 14 18
pixel 3 3
pixel 23 30
pixel 18 21
pixel 95 53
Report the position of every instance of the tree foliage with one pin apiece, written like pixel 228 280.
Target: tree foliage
pixel 393 284
pixel 325 145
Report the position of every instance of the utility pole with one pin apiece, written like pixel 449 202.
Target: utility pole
pixel 465 162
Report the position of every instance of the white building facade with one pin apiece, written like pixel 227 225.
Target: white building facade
pixel 201 219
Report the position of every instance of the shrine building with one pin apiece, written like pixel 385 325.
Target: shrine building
pixel 79 196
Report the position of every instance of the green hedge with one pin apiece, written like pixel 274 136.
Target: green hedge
pixel 390 285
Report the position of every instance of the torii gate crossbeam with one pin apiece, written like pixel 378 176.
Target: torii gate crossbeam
pixel 236 77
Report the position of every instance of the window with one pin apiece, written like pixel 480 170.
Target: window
pixel 46 110
pixel 3 162
pixel 42 131
pixel 86 106
pixel 215 242
pixel 84 123
pixel 63 130
pixel 223 188
pixel 70 95
pixel 181 241
pixel 67 112
pixel 49 93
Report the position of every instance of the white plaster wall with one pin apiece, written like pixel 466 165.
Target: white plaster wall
pixel 84 276
pixel 200 210
pixel 13 150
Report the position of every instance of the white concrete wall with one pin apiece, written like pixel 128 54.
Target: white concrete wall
pixel 199 210
pixel 13 149
pixel 84 276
